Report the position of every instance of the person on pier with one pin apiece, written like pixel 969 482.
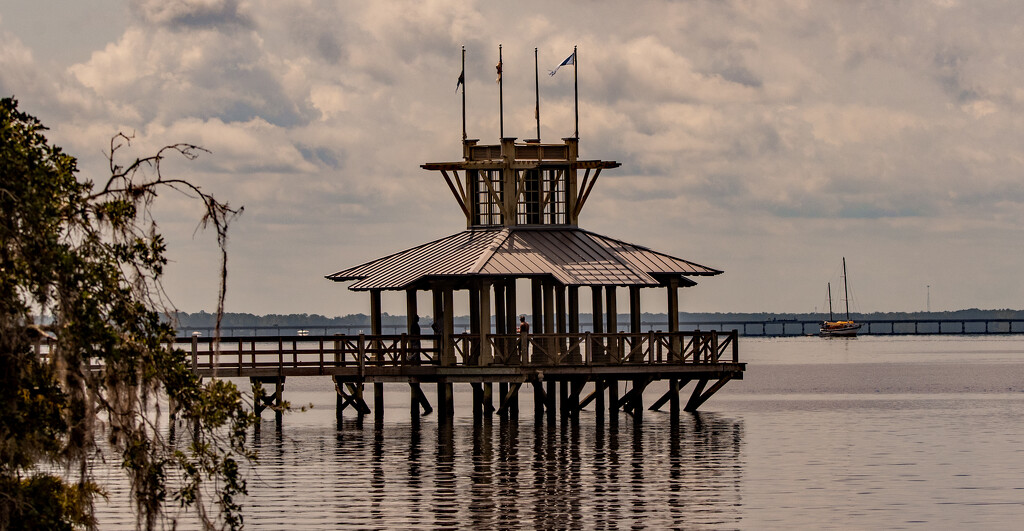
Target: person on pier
pixel 523 331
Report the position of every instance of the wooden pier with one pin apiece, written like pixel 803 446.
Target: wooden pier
pixel 567 372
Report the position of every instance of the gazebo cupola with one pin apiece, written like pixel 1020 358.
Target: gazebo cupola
pixel 526 184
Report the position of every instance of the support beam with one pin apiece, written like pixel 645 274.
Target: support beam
pixel 269 400
pixel 629 400
pixel 507 398
pixel 673 392
pixel 596 394
pixel 696 400
pixel 351 394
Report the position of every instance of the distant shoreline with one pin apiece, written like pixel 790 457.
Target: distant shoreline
pixel 752 325
pixel 232 319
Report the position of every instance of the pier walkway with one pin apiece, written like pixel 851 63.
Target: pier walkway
pixel 575 362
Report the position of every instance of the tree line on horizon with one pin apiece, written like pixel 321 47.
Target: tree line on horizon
pixel 203 319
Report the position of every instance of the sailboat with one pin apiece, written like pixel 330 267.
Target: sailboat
pixel 833 328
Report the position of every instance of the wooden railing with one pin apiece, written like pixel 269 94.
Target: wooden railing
pixel 239 354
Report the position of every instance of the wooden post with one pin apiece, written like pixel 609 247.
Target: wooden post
pixel 596 348
pixel 537 305
pixel 500 321
pixel 449 326
pixel 500 329
pixel 486 354
pixel 445 405
pixel 611 321
pixel 473 355
pixel 634 309
pixel 376 329
pixel 412 353
pixel 484 325
pixel 552 396
pixel 278 400
pixel 560 321
pixel 437 325
pixel 611 317
pixel 675 344
pixel 634 324
pixel 574 322
pixel 549 320
pixel 538 400
pixel 638 400
pixel 510 306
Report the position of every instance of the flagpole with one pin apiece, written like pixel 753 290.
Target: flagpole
pixel 463 92
pixel 536 78
pixel 576 89
pixel 501 99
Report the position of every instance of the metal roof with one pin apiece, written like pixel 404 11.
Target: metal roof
pixel 574 257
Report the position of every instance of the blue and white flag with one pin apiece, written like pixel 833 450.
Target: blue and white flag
pixel 571 60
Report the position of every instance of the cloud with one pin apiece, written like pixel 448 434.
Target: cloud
pixel 188 14
pixel 743 128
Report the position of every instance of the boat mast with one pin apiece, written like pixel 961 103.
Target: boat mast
pixel 846 293
pixel 830 302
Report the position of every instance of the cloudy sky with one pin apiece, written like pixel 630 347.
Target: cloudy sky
pixel 767 139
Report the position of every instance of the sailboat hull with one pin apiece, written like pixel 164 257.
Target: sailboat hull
pixel 839 328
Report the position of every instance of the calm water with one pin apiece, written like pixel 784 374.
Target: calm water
pixel 905 432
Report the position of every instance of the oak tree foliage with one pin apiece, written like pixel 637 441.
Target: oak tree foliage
pixel 86 370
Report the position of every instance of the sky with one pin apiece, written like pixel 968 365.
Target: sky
pixel 765 139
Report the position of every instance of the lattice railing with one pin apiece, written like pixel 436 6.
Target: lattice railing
pixel 240 355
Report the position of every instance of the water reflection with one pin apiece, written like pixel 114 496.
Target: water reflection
pixel 502 474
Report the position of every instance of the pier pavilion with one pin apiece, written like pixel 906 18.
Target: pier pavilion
pixel 522 203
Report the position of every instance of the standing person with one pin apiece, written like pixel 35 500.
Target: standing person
pixel 524 329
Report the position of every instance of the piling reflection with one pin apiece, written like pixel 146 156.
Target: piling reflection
pixel 504 473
